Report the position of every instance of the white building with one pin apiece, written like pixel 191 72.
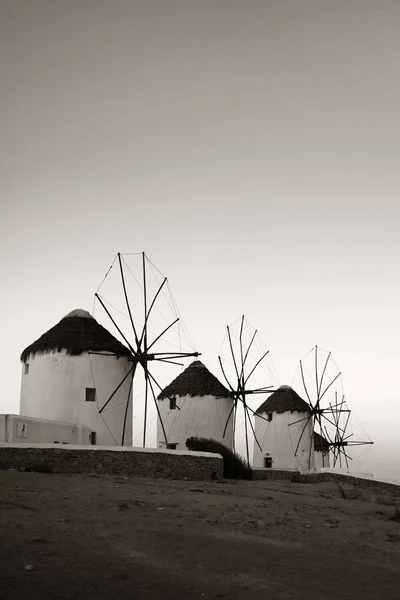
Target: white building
pixel 195 404
pixel 321 448
pixel 19 429
pixel 71 372
pixel 284 430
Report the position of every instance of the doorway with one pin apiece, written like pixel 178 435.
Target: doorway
pixel 267 462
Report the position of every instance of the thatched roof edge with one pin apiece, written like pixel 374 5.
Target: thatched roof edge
pixel 76 335
pixel 284 399
pixel 320 443
pixel 195 380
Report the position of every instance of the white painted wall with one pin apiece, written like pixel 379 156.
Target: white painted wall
pixel 279 439
pixel 55 389
pixel 321 460
pixel 27 430
pixel 199 416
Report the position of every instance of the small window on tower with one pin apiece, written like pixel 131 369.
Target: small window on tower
pixel 26 368
pixel 172 403
pixel 90 394
pixel 269 416
pixel 172 446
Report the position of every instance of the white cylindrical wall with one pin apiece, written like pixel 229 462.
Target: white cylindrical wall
pixel 279 437
pixel 321 459
pixel 54 388
pixel 198 416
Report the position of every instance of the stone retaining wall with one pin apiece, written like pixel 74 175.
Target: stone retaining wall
pixel 381 491
pixel 385 493
pixel 136 462
pixel 272 474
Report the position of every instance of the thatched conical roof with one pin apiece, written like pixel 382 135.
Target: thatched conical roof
pixel 196 380
pixel 282 400
pixel 76 333
pixel 321 444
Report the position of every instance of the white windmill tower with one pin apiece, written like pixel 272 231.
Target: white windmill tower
pixel 195 404
pixel 72 371
pixel 284 430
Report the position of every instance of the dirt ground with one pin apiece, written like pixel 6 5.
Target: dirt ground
pixel 113 537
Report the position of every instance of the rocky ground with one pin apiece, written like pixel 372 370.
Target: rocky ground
pixel 67 537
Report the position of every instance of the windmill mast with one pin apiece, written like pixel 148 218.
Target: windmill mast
pixel 141 353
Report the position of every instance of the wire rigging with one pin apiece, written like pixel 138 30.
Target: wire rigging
pixel 142 356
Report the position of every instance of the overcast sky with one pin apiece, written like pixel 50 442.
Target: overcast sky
pixel 250 148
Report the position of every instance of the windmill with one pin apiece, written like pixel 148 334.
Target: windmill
pixel 151 336
pixel 245 357
pixel 320 380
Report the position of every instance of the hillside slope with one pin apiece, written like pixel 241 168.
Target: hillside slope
pixel 109 537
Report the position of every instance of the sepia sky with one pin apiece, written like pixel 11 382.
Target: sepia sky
pixel 250 147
